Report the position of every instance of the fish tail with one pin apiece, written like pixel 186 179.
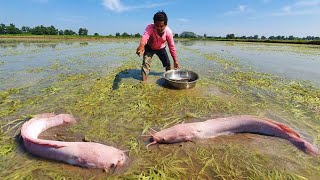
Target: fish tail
pixel 297 141
pixel 305 146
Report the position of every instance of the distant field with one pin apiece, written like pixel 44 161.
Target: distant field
pixel 91 37
pixel 316 42
pixel 77 37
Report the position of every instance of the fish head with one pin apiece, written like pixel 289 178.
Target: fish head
pixel 118 159
pixel 94 155
pixel 67 118
pixel 174 134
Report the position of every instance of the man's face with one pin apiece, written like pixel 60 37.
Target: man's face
pixel 159 26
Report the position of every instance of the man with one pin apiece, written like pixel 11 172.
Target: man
pixel 153 42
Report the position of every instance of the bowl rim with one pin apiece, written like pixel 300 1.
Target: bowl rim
pixel 164 76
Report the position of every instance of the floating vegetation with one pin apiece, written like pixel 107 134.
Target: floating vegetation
pixel 35 70
pixel 114 108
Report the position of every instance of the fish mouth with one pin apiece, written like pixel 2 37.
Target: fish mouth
pixel 151 139
pixel 122 161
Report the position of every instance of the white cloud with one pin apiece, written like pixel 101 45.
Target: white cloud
pixel 114 5
pixel 242 8
pixel 239 10
pixel 287 9
pixel 310 3
pixel 301 7
pixel 117 6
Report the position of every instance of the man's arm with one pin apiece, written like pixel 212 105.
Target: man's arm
pixel 144 40
pixel 172 49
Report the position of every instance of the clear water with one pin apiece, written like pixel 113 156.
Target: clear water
pixel 298 62
pixel 99 83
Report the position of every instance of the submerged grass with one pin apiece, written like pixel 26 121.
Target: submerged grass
pixel 114 108
pixel 236 162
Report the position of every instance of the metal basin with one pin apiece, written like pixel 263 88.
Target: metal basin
pixel 181 79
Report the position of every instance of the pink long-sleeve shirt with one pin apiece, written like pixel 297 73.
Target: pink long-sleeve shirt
pixel 156 42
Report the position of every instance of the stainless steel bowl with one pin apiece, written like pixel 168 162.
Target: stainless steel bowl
pixel 181 79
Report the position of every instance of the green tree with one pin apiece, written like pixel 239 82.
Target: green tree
pixel 52 30
pixel 125 34
pixel 187 34
pixel 291 38
pixel 39 30
pixel 25 29
pixel 3 29
pixel 69 32
pixel 137 35
pixel 272 37
pixel 230 36
pixel 83 32
pixel 117 34
pixel 60 32
pixel 96 34
pixel 263 37
pixel 11 29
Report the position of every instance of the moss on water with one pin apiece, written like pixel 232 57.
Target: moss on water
pixel 113 107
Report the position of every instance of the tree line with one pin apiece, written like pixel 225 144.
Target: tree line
pixel 255 37
pixel 39 30
pixel 279 37
pixel 51 30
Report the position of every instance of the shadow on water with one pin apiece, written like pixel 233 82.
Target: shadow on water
pixel 131 73
pixel 162 82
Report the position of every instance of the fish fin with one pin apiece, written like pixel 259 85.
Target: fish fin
pixel 52 145
pixel 44 143
pixel 286 129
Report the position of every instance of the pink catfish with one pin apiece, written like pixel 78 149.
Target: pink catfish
pixel 231 125
pixel 84 154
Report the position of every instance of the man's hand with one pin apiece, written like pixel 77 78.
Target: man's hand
pixel 176 65
pixel 140 50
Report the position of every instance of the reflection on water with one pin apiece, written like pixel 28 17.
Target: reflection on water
pixel 300 62
pixel 26 62
pixel 186 42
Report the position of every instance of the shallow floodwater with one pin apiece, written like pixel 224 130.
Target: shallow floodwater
pixel 99 83
pixel 292 61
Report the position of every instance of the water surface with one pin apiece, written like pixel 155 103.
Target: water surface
pixel 99 83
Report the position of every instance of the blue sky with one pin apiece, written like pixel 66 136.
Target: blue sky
pixel 213 17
